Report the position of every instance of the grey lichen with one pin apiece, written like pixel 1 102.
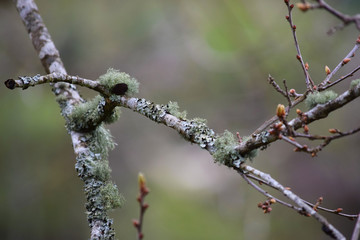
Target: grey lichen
pixel 113 77
pixel 316 98
pixel 225 149
pixel 198 132
pixel 29 81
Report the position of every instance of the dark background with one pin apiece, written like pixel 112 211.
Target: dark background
pixel 213 58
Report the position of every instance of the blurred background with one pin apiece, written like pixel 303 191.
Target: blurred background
pixel 213 58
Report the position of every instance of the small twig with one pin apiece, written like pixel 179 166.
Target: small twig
pixel 323 84
pixel 289 194
pixel 271 80
pixel 287 95
pixel 26 81
pixel 350 74
pixel 293 142
pixel 356 232
pixel 262 191
pixel 337 211
pixel 346 19
pixel 309 82
pixel 143 206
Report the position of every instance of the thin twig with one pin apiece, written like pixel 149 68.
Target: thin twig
pixel 334 211
pixel 262 191
pixel 287 95
pixel 323 84
pixel 143 192
pixel 346 19
pixel 289 194
pixel 309 82
pixel 350 74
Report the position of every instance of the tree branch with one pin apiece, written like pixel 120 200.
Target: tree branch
pixel 297 200
pixel 86 158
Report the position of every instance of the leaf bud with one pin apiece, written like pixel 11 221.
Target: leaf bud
pixel 280 111
pixel 327 70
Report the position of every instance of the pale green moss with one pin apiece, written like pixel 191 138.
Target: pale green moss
pixel 110 196
pixel 316 98
pixel 173 109
pixel 225 149
pixel 88 115
pixel 354 83
pixel 113 117
pixel 101 170
pixel 113 77
pixel 101 141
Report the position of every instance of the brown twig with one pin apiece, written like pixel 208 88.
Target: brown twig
pixel 346 19
pixel 326 82
pixel 337 211
pixel 262 191
pixel 350 74
pixel 309 82
pixel 330 230
pixel 138 223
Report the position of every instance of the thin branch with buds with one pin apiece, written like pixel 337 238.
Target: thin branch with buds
pixel 330 229
pixel 309 82
pixel 337 211
pixel 143 192
pixel 326 83
pixel 346 19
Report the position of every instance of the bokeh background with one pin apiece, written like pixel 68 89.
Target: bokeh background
pixel 213 58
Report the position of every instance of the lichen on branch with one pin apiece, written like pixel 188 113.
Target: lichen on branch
pixel 119 83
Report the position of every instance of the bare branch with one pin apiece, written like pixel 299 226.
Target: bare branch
pixel 297 200
pixel 308 81
pixel 262 191
pixel 324 84
pixel 346 19
pixel 99 223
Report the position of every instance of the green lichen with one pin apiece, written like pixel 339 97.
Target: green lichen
pixel 354 83
pixel 110 196
pixel 173 109
pixel 316 98
pixel 113 77
pixel 101 170
pixel 101 141
pixel 113 117
pixel 225 149
pixel 88 115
